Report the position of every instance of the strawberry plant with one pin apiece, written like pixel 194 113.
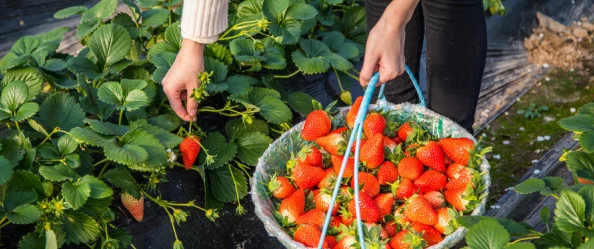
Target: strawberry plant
pixel 573 223
pixel 85 128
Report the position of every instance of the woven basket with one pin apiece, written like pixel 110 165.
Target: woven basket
pixel 279 152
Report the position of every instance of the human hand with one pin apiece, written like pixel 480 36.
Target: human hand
pixel 384 51
pixel 182 79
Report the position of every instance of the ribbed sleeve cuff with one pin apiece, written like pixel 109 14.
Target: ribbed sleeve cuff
pixel 203 20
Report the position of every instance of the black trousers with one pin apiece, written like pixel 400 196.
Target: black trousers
pixel 456 43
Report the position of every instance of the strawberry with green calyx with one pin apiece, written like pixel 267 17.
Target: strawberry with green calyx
pixel 133 205
pixel 369 211
pixel 280 187
pixel 390 225
pixel 405 130
pixel 446 220
pixel 373 234
pixel 329 179
pixel 389 144
pixel 418 209
pixel 314 217
pixel 306 176
pixel 293 206
pixel 463 199
pixel 387 173
pixel 435 198
pixel 400 216
pixel 367 183
pixel 372 152
pixel 351 115
pixel 310 155
pixel 457 149
pixel 431 180
pixel 346 240
pixel 410 167
pixel 191 146
pixel 385 202
pixel 335 144
pixel 403 188
pixel 308 235
pixel 317 124
pixel 461 176
pixel 373 124
pixel 322 201
pixel 429 233
pixel 346 217
pixel 431 155
pixel 337 163
pixel 406 239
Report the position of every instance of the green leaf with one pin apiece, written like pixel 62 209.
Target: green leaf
pixel 79 228
pixel 531 185
pixel 96 207
pixel 126 154
pixel 154 17
pixel 487 234
pixel 224 181
pixel 570 212
pixel 110 43
pixel 274 54
pixel 51 242
pixel 312 59
pixel 300 102
pixel 353 25
pixel 121 178
pixel 72 160
pixel 14 94
pixel 251 146
pixel 521 245
pixel 336 42
pixel 135 99
pixel 580 161
pixel 104 8
pixel 111 93
pixel 88 136
pixel 338 62
pixel 99 189
pixel 84 66
pixel 172 43
pixel 25 181
pixel 11 150
pixel 156 153
pixel 124 95
pixel 217 145
pixel 302 11
pixel 236 128
pixel 288 28
pixel 57 173
pixel 24 214
pixel 76 193
pixel 54 65
pixel 578 123
pixel 5 172
pixel 86 27
pixel 514 228
pixel 166 138
pixel 37 127
pixel 274 110
pixel 587 109
pixel 245 51
pixel 92 104
pixel 163 62
pixel 219 52
pixel 587 192
pixel 31 76
pixel 70 11
pixel 240 84
pixel 249 8
pixel 66 145
pixel 32 241
pixel 587 141
pixel 545 215
pixel 219 68
pixel 587 245
pixel 556 238
pixel 274 9
pixel 167 122
pixel 25 45
pixel 61 110
pixel 106 128
pixel 25 111
pixel 14 199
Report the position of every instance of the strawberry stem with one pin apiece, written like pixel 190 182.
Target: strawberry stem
pixel 240 210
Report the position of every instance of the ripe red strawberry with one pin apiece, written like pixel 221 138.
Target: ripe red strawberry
pixel 432 156
pixel 392 228
pixel 400 216
pixel 407 240
pixel 457 149
pixel 347 242
pixel 410 167
pixel 335 144
pixel 347 218
pixel 385 203
pixel 368 182
pixel 280 187
pixel 310 155
pixel 460 176
pixel 317 124
pixel 404 131
pixel 443 224
pixel 369 211
pixel 323 200
pixel 372 152
pixel 375 123
pixel 389 143
pixel 133 205
pixel 411 149
pixel 455 197
pixel 397 140
pixel 387 173
pixel 314 217
pixel 293 206
pixel 404 188
pixel 430 235
pixel 354 148
pixel 337 163
pixel 418 209
pixel 306 176
pixel 431 180
pixel 330 241
pixel 352 114
pixel 339 130
pixel 435 198
pixel 308 235
pixel 190 148
pixel 584 181
pixel 335 223
pixel 329 179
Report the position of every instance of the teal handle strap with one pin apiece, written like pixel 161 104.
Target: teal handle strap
pixel 356 137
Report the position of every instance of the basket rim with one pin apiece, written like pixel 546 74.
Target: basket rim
pixel 274 229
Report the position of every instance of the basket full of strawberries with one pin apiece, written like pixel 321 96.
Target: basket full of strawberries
pixel 417 172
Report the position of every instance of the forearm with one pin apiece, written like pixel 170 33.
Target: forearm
pixel 203 20
pixel 398 13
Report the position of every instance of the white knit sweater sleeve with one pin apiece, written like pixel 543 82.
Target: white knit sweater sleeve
pixel 203 20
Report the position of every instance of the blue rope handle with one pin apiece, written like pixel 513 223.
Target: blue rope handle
pixel 356 136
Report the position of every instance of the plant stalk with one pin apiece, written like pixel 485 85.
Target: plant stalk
pixel 120 118
pixel 287 76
